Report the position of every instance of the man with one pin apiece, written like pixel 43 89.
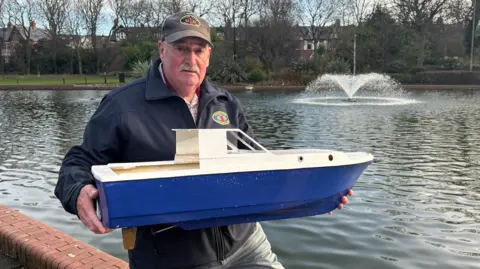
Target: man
pixel 134 123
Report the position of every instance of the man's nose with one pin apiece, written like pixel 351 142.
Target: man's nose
pixel 190 56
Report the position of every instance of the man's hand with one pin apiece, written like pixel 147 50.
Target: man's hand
pixel 344 200
pixel 86 211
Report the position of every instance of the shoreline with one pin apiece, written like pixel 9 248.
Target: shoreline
pixel 231 88
pixel 29 243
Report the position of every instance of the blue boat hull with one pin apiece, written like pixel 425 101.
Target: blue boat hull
pixel 303 209
pixel 194 202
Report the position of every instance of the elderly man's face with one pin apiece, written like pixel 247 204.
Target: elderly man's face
pixel 185 61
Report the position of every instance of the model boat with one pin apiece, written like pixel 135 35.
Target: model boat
pixel 212 182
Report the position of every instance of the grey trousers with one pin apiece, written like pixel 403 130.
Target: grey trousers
pixel 256 253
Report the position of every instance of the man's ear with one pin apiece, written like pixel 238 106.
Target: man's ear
pixel 161 49
pixel 209 55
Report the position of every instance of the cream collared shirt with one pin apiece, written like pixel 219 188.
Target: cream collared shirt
pixel 192 106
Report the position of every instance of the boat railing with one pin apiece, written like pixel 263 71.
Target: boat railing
pixel 234 133
pixel 212 143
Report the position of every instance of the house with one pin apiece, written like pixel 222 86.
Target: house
pixel 13 35
pixel 135 33
pixel 324 36
pixel 304 37
pixel 86 42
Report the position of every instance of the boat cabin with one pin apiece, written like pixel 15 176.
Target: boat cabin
pixel 195 144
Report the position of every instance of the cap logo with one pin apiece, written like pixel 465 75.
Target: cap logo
pixel 190 20
pixel 221 118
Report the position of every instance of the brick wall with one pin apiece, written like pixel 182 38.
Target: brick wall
pixel 37 245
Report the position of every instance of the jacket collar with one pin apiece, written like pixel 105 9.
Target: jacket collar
pixel 157 89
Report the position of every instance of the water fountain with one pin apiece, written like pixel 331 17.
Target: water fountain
pixel 387 90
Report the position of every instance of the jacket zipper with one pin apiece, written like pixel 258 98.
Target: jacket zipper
pixel 216 231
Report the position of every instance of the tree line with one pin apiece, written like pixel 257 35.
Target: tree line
pixel 255 40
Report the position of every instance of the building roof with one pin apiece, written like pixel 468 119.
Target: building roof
pixel 36 34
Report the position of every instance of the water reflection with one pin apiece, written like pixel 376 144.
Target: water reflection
pixel 417 206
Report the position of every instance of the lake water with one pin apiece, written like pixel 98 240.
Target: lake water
pixel 416 206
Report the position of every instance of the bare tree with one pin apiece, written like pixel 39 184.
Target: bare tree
pixel 354 11
pixel 249 8
pixel 139 13
pixel 457 10
pixel 74 26
pixel 91 14
pixel 272 35
pixel 230 10
pixel 174 6
pixel 158 14
pixel 360 10
pixel 150 15
pixel 55 13
pixel 25 11
pixel 419 14
pixel 314 14
pixel 120 11
pixel 277 10
pixel 4 19
pixel 344 12
pixel 201 7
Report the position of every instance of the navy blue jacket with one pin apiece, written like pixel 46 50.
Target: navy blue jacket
pixel 134 123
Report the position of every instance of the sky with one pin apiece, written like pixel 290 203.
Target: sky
pixel 106 24
pixel 108 14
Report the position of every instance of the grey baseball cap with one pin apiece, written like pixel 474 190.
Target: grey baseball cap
pixel 185 24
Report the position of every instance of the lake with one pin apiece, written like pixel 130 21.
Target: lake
pixel 416 206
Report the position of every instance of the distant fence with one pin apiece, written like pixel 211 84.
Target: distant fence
pixel 39 246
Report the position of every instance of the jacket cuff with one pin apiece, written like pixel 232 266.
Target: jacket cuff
pixel 72 204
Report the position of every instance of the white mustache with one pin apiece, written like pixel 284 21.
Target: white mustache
pixel 186 67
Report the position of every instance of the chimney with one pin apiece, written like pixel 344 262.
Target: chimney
pixel 9 25
pixel 337 23
pixel 33 25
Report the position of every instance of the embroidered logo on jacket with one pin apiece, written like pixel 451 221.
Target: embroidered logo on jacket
pixel 220 117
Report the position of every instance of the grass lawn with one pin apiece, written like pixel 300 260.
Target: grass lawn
pixel 58 79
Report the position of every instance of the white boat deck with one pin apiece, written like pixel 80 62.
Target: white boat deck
pixel 210 151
